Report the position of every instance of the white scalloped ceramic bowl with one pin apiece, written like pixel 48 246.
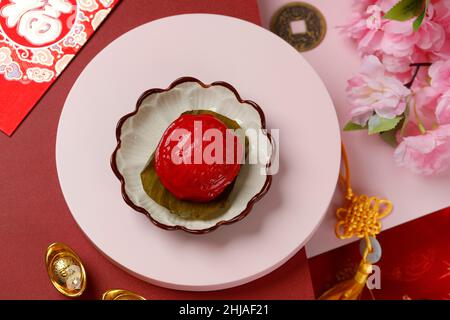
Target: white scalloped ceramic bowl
pixel 139 133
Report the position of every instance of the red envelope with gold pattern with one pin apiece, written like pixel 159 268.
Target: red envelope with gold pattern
pixel 38 39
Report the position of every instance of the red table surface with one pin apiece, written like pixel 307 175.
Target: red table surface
pixel 33 212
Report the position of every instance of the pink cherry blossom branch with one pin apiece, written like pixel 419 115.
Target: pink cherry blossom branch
pixel 409 85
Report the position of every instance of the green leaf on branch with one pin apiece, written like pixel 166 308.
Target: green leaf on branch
pixel 378 124
pixel 390 137
pixel 418 22
pixel 406 9
pixel 351 126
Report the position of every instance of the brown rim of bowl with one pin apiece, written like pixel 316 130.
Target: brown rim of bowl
pixel 177 82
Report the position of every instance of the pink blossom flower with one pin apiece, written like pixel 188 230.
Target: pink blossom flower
pixel 431 36
pixel 425 101
pixel 426 153
pixel 442 11
pixel 397 64
pixel 360 6
pixel 365 28
pixel 372 90
pixel 399 38
pixel 432 95
pixel 439 73
pixel 395 43
pixel 444 53
pixel 388 48
pixel 443 109
pixel 442 17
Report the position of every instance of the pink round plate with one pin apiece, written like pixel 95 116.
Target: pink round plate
pixel 263 68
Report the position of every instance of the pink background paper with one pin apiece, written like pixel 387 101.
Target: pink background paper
pixel 373 169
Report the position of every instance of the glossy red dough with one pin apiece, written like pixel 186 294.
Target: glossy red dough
pixel 191 160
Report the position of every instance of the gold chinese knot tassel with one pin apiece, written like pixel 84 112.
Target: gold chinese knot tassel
pixel 350 289
pixel 359 217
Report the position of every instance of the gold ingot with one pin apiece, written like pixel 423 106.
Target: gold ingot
pixel 65 270
pixel 119 294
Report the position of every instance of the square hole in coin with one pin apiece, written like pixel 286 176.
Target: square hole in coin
pixel 298 26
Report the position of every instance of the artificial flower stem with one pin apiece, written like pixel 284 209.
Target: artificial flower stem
pixel 422 128
pixel 419 121
pixel 406 114
pixel 421 64
pixel 416 72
